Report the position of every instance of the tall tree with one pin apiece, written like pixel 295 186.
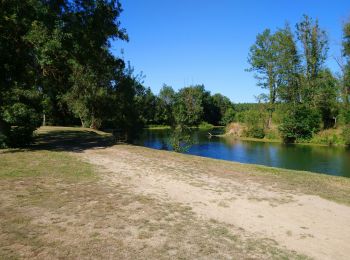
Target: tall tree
pixel 346 72
pixel 166 99
pixel 288 66
pixel 19 88
pixel 315 47
pixel 188 107
pixel 327 98
pixel 262 59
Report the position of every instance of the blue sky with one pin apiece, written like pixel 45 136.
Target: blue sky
pixel 183 42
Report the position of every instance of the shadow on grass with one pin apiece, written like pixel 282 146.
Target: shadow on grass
pixel 71 140
pixel 67 140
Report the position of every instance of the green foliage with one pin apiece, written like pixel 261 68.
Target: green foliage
pixel 327 98
pixel 308 92
pixel 229 116
pixel 215 107
pixel 345 76
pixel 263 60
pixel 255 122
pixel 300 123
pixel 205 125
pixel 23 120
pixel 327 137
pixel 164 106
pixel 346 134
pixel 180 139
pixel 56 63
pixel 272 134
pixel 315 46
pixel 127 105
pixel 188 106
pixel 275 60
pixel 289 68
pixel 255 132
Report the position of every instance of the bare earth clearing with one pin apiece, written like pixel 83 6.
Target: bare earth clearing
pixel 138 203
pixel 307 224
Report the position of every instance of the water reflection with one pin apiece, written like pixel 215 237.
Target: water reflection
pixel 329 160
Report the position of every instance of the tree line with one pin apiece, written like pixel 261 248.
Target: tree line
pixel 291 67
pixel 189 106
pixel 57 69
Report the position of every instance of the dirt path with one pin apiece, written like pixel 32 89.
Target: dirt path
pixel 306 224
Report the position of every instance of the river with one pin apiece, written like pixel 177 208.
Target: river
pixel 314 158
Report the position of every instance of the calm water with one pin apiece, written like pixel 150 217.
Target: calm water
pixel 328 160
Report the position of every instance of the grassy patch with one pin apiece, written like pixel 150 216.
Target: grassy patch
pixel 42 163
pixel 157 127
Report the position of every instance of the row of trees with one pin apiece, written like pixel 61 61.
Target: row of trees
pixel 291 67
pixel 57 68
pixel 190 106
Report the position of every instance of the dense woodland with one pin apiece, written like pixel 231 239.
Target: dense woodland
pixel 57 69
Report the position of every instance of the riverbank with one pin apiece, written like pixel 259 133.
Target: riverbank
pixel 204 126
pixel 75 195
pixel 317 140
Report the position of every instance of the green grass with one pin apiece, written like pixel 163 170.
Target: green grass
pixel 157 127
pixel 43 163
pixel 205 125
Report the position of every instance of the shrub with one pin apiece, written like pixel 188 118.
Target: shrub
pixel 346 134
pixel 20 136
pixel 255 121
pixel 300 122
pixel 20 122
pixel 272 134
pixel 228 117
pixel 255 132
pixel 329 137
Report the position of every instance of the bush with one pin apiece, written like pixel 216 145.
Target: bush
pixel 228 117
pixel 255 121
pixel 344 117
pixel 328 137
pixel 255 132
pixel 272 134
pixel 20 136
pixel 20 121
pixel 299 123
pixel 346 134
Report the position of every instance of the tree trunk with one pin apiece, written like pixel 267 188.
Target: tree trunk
pixel 82 121
pixel 44 120
pixel 269 121
pixel 94 123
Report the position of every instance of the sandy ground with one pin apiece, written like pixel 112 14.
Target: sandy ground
pixel 304 224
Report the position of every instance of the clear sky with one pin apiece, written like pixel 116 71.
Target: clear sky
pixel 183 42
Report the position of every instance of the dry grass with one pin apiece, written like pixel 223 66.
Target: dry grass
pixel 54 206
pixel 329 187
